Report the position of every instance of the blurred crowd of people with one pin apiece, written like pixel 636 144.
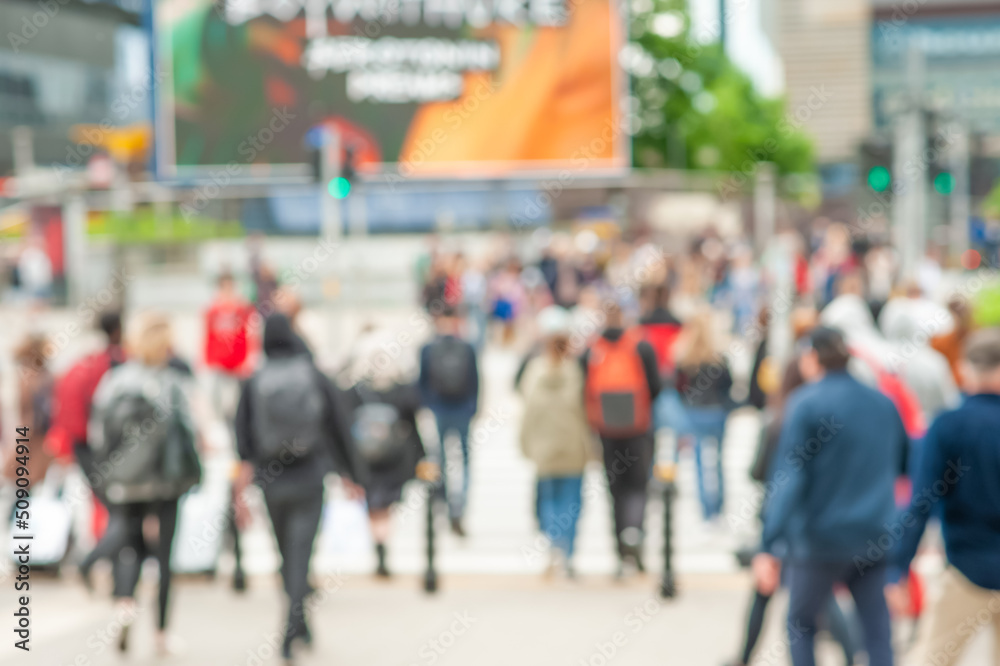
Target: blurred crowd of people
pixel 633 352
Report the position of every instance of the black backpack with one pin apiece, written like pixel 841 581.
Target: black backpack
pixel 449 367
pixel 380 435
pixel 288 409
pixel 146 454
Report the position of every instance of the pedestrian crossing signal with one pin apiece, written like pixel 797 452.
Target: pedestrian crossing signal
pixel 879 178
pixel 339 188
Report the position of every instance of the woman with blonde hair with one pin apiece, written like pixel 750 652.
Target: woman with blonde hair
pixel 704 383
pixel 142 433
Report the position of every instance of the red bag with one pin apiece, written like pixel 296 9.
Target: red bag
pixel 893 387
pixel 617 393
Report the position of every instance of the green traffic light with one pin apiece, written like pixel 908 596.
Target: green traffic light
pixel 879 178
pixel 339 188
pixel 944 183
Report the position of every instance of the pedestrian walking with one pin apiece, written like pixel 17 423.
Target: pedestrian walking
pixel 704 383
pixel 555 435
pixel 621 382
pixel 959 473
pixel 292 428
pixel 662 330
pixel 72 398
pixel 142 434
pixel 833 615
pixel 384 402
pixel 449 387
pixel 842 447
pixel 229 359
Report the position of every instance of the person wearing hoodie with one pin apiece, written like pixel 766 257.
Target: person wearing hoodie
pixel 555 435
pixel 621 382
pixel 841 449
pixel 960 474
pixel 924 369
pixel 291 430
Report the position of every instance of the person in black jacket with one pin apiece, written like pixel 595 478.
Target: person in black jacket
pixel 704 383
pixel 292 480
pixel 380 385
pixel 628 460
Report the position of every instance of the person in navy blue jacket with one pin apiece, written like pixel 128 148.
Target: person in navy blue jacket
pixel 960 473
pixel 842 447
pixel 449 387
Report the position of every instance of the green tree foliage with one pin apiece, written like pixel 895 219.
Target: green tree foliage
pixel 695 108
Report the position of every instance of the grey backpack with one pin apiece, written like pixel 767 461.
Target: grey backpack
pixel 288 409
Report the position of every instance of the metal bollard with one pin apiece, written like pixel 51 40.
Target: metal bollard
pixel 666 473
pixel 429 472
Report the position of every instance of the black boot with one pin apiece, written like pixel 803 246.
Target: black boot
pixel 382 571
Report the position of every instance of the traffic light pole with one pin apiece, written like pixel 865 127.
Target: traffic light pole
pixel 909 173
pixel 958 202
pixel 331 223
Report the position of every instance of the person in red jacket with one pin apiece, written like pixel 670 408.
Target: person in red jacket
pixel 67 436
pixel 229 358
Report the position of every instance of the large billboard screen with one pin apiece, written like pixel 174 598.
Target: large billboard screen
pixel 424 88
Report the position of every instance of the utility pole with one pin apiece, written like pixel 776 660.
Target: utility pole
pixel 910 171
pixel 959 201
pixel 764 206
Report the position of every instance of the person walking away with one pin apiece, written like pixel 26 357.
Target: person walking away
pixel 961 456
pixel 229 359
pixel 142 433
pixel 759 471
pixel 662 330
pixel 841 449
pixel 555 434
pixel 621 382
pixel 704 383
pixel 384 406
pixel 292 428
pixel 449 387
pixel 66 439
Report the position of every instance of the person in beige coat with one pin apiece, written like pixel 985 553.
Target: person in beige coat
pixel 555 434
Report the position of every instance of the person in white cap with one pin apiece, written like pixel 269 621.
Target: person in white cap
pixel 555 434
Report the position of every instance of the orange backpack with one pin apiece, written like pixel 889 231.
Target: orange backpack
pixel 617 393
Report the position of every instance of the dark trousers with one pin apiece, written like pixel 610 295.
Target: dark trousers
pixel 627 464
pixel 114 536
pixel 295 519
pixel 810 585
pixel 836 622
pixel 134 550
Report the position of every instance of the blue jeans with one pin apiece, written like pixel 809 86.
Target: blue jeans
pixel 668 412
pixel 708 424
pixel 810 585
pixel 559 501
pixel 454 421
